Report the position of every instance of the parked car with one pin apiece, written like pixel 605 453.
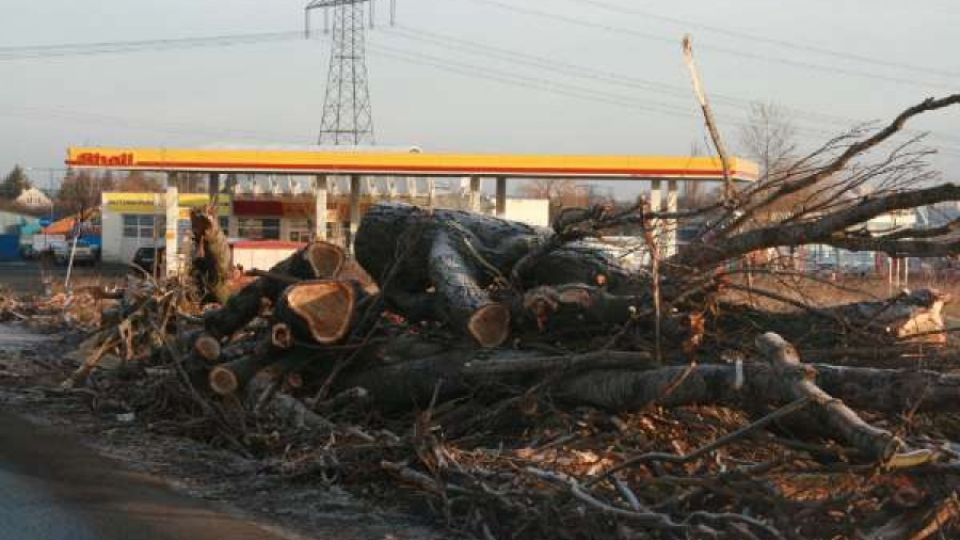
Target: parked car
pixel 144 258
pixel 83 253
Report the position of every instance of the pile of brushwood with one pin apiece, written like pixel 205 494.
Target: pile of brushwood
pixel 519 382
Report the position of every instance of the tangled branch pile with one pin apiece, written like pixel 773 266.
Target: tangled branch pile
pixel 525 383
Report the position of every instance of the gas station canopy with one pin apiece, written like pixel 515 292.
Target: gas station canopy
pixel 374 163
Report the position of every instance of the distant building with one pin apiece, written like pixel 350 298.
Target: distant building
pixel 33 198
pixel 11 221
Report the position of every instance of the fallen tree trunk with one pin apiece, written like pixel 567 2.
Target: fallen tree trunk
pixel 623 381
pixel 908 318
pixel 445 265
pixel 800 383
pixel 466 305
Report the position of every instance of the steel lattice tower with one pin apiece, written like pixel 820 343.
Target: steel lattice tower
pixel 347 116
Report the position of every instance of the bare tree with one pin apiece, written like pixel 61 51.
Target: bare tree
pixel 769 138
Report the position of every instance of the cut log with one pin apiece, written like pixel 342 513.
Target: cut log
pixel 314 261
pixel 467 305
pixel 232 376
pixel 318 311
pixel 207 347
pixel 281 337
pixel 394 231
pixel 577 307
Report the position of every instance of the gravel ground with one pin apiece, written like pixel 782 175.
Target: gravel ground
pixel 31 368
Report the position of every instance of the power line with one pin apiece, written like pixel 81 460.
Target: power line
pixel 723 50
pixel 773 41
pixel 576 70
pixel 472 70
pixel 612 77
pixel 536 83
pixel 29 52
pixel 484 72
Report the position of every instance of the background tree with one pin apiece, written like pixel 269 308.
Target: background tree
pixel 769 138
pixel 14 183
pixel 138 182
pixel 80 191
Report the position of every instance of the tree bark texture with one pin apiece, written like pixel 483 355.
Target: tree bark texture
pixel 212 266
pixel 406 374
pixel 441 265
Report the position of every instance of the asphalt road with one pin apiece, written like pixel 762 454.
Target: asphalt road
pixel 52 488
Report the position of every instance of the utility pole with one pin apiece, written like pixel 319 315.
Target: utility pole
pixel 347 113
pixel 347 117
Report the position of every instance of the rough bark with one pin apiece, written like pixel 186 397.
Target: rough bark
pixel 212 265
pixel 466 305
pixel 909 318
pixel 877 443
pixel 442 265
pixel 408 371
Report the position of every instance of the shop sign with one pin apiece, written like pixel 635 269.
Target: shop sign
pixel 153 203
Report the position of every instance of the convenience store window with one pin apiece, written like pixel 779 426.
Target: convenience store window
pixel 299 230
pixel 141 226
pixel 259 228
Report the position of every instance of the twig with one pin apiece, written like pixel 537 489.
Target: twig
pixel 786 410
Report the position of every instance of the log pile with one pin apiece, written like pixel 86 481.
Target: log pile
pixel 557 433
pixel 520 382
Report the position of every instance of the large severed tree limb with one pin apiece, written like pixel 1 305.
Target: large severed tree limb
pixel 464 302
pixel 899 248
pixel 914 317
pixel 841 161
pixel 823 230
pixel 443 265
pixel 631 381
pixel 800 384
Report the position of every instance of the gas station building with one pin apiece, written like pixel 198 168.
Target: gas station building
pixel 322 193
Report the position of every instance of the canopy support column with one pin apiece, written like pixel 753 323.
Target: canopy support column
pixel 656 203
pixel 474 201
pixel 354 209
pixel 501 196
pixel 320 207
pixel 213 188
pixel 671 224
pixel 171 251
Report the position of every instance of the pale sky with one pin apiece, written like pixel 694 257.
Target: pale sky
pixel 829 61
